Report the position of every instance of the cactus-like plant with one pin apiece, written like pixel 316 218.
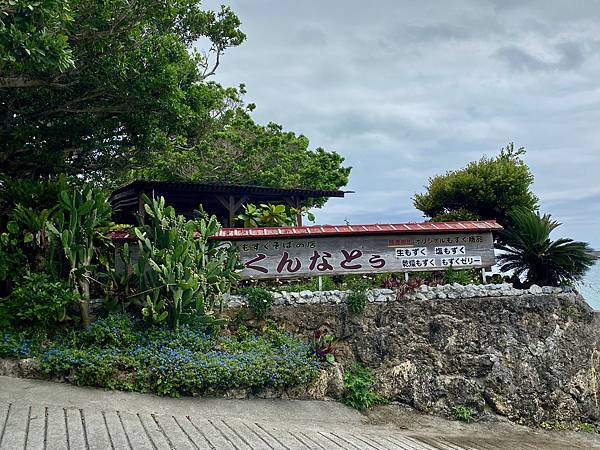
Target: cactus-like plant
pixel 79 227
pixel 181 272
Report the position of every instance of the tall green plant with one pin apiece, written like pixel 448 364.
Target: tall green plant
pixel 79 228
pixel 528 250
pixel 181 272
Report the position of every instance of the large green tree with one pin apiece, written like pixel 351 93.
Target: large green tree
pixel 113 91
pixel 248 153
pixel 491 188
pixel 134 84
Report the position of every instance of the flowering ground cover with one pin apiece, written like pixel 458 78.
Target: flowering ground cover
pixel 122 352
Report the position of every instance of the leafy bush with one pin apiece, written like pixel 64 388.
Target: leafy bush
pixel 24 343
pixel 122 352
pixel 463 413
pixel 529 251
pixel 357 301
pixel 269 215
pixel 358 382
pixel 460 276
pixel 181 272
pixel 260 300
pixel 37 299
pixel 490 188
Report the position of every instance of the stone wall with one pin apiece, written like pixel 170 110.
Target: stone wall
pixel 528 355
pixel 424 292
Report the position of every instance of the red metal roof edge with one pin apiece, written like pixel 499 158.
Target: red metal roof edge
pixel 336 230
pixel 319 230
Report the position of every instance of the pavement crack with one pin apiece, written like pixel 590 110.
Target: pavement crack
pixel 160 428
pixel 200 432
pixel 124 431
pixel 110 440
pixel 224 435
pixel 27 428
pixel 5 422
pixel 146 431
pixel 85 436
pixel 66 429
pixel 185 432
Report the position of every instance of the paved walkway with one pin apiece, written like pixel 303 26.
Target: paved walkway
pixel 43 415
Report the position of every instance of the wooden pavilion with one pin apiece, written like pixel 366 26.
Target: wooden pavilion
pixel 223 200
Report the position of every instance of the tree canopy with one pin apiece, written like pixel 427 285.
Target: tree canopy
pixel 491 188
pixel 113 91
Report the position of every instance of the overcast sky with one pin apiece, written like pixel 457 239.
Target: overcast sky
pixel 406 90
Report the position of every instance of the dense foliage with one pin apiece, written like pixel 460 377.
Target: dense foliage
pixel 259 300
pixel 121 352
pixel 271 215
pixel 113 91
pixel 37 300
pixel 182 273
pixel 528 251
pixel 490 188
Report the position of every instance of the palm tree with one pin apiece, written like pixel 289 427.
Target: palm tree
pixel 529 250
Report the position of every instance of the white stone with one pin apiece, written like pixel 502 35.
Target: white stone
pixel 535 289
pixel 547 289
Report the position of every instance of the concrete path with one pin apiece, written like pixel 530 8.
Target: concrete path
pixel 43 415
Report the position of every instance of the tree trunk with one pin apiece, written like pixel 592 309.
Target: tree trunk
pixel 84 302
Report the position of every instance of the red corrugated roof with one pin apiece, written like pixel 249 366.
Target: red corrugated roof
pixel 317 230
pixel 335 230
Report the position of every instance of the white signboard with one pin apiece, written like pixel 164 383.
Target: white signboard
pixel 322 255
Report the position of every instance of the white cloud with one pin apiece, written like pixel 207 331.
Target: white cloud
pixel 407 90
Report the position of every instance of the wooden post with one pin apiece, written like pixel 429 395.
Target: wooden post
pixel 298 214
pixel 141 209
pixel 483 276
pixel 231 206
pixel 231 210
pixel 320 283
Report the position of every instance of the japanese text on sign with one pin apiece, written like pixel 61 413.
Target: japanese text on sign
pixel 275 258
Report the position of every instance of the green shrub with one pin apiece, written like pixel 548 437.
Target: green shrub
pixel 357 302
pixel 358 382
pixel 460 276
pixel 175 362
pixel 24 343
pixel 490 188
pixel 37 299
pixel 260 300
pixel 463 413
pixel 357 299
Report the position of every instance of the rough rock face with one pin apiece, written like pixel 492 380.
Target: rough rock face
pixel 527 357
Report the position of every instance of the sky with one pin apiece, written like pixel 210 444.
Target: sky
pixel 407 90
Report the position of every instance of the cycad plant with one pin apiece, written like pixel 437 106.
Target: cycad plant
pixel 528 250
